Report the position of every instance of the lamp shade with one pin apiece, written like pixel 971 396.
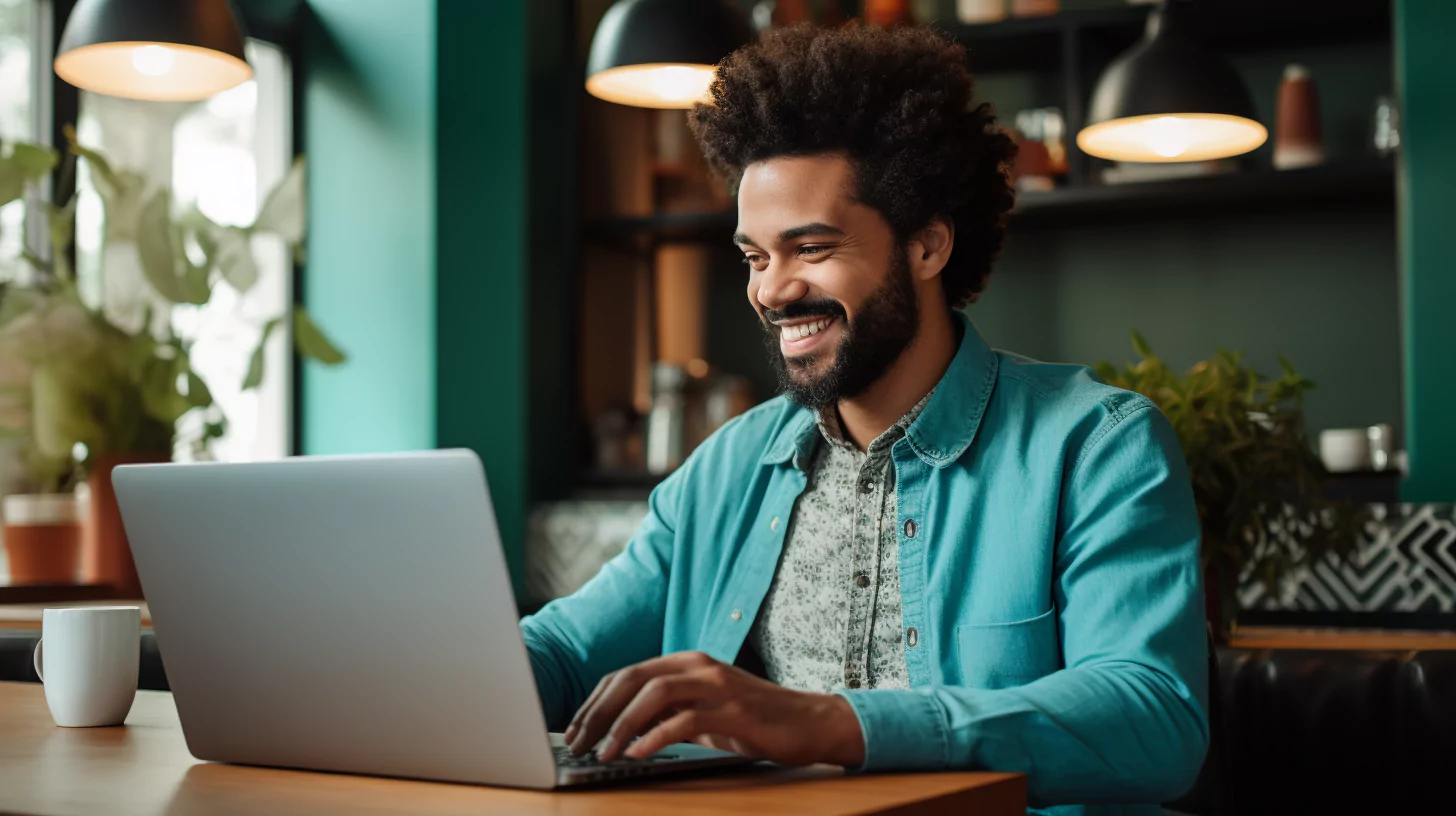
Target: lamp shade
pixel 1170 99
pixel 162 50
pixel 662 53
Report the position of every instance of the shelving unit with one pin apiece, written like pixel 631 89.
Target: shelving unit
pixel 1369 183
pixel 1233 26
pixel 1067 52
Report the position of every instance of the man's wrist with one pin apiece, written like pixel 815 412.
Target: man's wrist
pixel 844 739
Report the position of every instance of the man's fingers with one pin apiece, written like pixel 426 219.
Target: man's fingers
pixel 595 718
pixel 680 727
pixel 586 706
pixel 655 702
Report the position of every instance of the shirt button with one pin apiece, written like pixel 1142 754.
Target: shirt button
pixel 862 581
pixel 736 614
pixel 853 682
pixel 774 525
pixel 867 486
pixel 911 528
pixel 912 637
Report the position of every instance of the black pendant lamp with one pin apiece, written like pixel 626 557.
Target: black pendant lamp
pixel 1170 99
pixel 662 53
pixel 161 50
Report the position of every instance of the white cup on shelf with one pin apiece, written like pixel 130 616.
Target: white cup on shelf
pixel 87 658
pixel 1344 450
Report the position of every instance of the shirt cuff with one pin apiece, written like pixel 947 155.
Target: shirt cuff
pixel 903 729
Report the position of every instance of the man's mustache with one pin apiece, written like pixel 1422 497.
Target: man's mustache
pixel 799 309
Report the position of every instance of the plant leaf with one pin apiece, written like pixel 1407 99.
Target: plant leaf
pixel 255 363
pixel 1140 345
pixel 154 245
pixel 312 342
pixel 284 211
pixel 160 397
pixel 36 161
pixel 157 245
pixel 105 176
pixel 198 394
pixel 234 258
pixel 12 181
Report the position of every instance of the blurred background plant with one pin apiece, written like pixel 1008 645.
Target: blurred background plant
pixel 74 385
pixel 1256 480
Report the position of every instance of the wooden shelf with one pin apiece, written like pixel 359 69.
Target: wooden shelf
pixel 1366 183
pixel 1231 26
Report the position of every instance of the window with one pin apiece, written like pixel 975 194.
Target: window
pixel 20 104
pixel 221 155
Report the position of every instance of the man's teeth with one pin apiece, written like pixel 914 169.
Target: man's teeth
pixel 803 330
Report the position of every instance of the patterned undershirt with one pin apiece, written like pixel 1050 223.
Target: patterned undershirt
pixel 831 619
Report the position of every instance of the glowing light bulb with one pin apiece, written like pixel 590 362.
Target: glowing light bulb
pixel 1168 136
pixel 676 82
pixel 152 60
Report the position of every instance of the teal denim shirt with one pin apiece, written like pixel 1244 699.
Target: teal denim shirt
pixel 1052 579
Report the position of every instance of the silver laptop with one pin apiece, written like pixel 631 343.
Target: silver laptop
pixel 349 614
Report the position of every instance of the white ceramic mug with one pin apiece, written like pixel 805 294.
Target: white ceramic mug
pixel 1345 449
pixel 87 658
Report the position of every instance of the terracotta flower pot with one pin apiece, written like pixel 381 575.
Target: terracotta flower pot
pixel 105 553
pixel 42 538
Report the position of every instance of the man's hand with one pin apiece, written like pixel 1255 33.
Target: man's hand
pixel 690 697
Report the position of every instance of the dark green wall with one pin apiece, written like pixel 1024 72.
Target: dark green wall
pixel 1318 286
pixel 1425 35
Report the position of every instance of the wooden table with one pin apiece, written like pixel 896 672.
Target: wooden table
pixel 29 615
pixel 144 768
pixel 1375 640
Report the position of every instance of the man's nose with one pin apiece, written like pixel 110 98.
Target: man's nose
pixel 778 287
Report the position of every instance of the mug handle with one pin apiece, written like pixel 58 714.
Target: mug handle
pixel 36 660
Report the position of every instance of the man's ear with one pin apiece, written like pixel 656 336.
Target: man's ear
pixel 930 248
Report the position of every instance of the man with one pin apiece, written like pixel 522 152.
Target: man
pixel 933 554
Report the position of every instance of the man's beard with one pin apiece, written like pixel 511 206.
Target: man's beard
pixel 881 331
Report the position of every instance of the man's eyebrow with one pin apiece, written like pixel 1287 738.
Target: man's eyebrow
pixel 815 228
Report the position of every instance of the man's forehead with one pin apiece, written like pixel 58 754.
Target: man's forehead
pixel 781 193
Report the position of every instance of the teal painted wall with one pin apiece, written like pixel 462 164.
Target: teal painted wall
pixel 370 139
pixel 416 123
pixel 1425 32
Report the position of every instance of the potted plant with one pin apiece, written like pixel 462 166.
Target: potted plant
pixel 103 394
pixel 42 535
pixel 1256 481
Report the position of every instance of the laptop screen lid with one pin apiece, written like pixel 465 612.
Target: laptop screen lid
pixel 348 614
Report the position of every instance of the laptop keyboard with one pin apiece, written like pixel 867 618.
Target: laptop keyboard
pixel 591 760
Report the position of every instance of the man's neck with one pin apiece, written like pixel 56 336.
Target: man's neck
pixel 907 380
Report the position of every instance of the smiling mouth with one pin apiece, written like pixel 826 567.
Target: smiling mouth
pixel 803 330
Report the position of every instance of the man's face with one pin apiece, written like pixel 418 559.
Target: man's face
pixel 826 276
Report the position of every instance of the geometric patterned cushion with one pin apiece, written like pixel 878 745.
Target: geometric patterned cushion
pixel 1405 562
pixel 569 542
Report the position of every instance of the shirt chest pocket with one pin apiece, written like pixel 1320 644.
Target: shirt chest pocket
pixel 1002 655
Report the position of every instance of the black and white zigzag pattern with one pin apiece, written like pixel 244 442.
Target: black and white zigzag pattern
pixel 1405 562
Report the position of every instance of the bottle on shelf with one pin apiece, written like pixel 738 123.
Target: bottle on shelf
pixel 1297 138
pixel 975 12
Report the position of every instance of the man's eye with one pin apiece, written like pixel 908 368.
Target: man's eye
pixel 812 249
pixel 755 261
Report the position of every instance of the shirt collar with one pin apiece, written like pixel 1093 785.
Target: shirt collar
pixel 946 425
pixel 833 433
